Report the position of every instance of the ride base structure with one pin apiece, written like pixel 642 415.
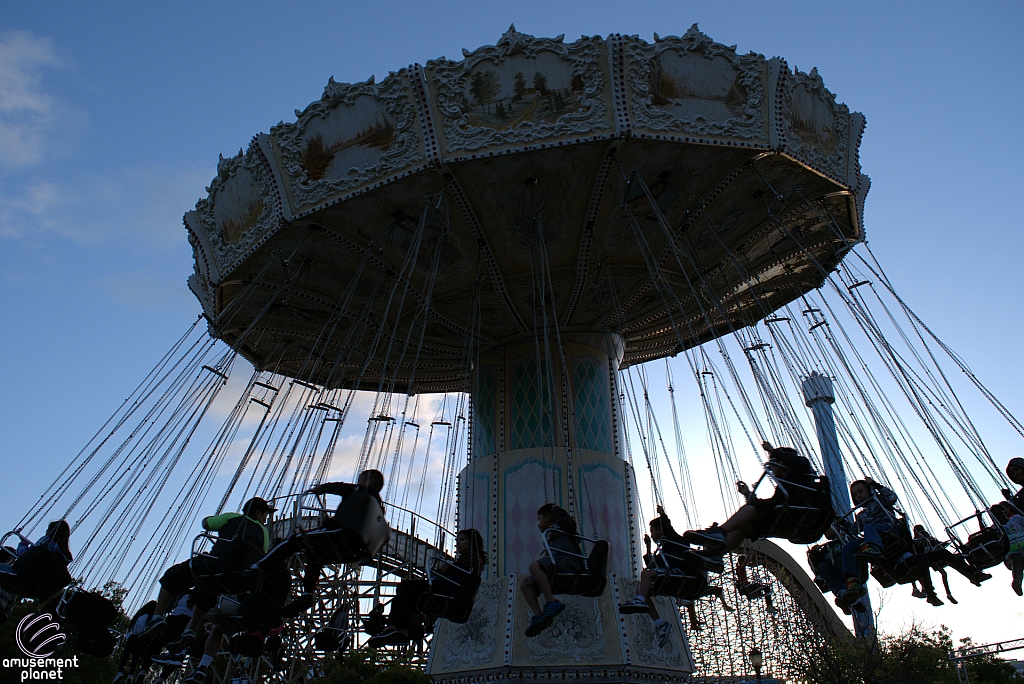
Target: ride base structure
pixel 522 458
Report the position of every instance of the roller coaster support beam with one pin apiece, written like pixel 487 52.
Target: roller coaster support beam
pixel 960 656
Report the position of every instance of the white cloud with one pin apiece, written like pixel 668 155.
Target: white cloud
pixel 140 207
pixel 27 112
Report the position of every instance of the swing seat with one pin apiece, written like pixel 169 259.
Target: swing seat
pixel 8 555
pixel 334 637
pixel 803 519
pixel 246 645
pixel 100 644
pixel 986 548
pixel 226 608
pixel 896 571
pixel 590 583
pixel 86 611
pixel 444 607
pixel 753 590
pixel 679 584
pixel 41 573
pixel 448 593
pixel 331 639
pixel 260 613
pixel 359 531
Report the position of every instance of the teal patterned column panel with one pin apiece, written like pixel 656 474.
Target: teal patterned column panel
pixel 530 405
pixel 593 407
pixel 484 411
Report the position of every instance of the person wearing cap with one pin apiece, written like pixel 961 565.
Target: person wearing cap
pixel 755 519
pixel 247 527
pixel 1015 471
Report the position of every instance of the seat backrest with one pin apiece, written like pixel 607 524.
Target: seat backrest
pixel 597 561
pixel 361 513
pixel 239 543
pixel 89 611
pixel 41 572
pixel 260 613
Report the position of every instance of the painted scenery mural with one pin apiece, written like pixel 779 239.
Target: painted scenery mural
pixel 238 207
pixel 688 86
pixel 348 140
pixel 519 89
pixel 812 118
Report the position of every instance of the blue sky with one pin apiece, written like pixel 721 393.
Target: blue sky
pixel 112 116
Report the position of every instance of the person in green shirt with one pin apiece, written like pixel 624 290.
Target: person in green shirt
pixel 239 535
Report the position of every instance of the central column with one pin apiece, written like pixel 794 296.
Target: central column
pixel 544 433
pixel 546 428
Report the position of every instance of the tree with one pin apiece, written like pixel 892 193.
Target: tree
pixel 519 87
pixel 356 667
pixel 915 657
pixel 540 83
pixel 484 87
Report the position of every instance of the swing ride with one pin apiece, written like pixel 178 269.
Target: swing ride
pixel 490 260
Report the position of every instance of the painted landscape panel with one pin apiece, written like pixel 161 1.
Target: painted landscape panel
pixel 238 206
pixel 688 86
pixel 346 141
pixel 520 89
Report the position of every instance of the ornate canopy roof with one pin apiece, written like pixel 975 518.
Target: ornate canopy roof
pixel 681 190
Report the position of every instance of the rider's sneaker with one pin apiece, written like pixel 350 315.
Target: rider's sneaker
pixel 854 590
pixel 300 605
pixel 170 659
pixel 935 600
pixel 554 608
pixel 153 629
pixel 538 623
pixel 869 553
pixel 842 606
pixel 183 642
pixel 662 632
pixel 633 605
pixel 711 538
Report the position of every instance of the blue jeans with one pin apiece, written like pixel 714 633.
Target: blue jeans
pixel 872 535
pixel 831 572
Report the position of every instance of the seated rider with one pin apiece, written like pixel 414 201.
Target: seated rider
pixel 277 585
pixel 56 538
pixel 470 558
pixel 1015 471
pixel 370 481
pixel 133 652
pixel 755 519
pixel 675 558
pixel 932 554
pixel 559 529
pixel 233 531
pixel 876 517
pixel 1013 523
